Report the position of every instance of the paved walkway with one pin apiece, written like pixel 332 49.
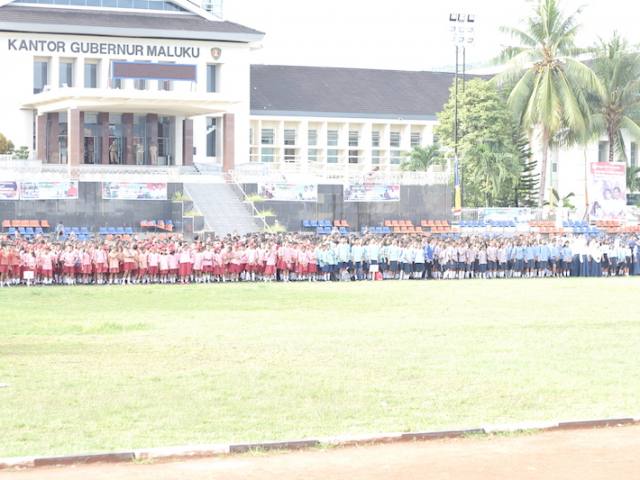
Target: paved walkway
pixel 582 454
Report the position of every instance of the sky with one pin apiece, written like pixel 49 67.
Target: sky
pixel 403 34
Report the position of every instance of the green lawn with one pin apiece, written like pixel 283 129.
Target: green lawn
pixel 108 368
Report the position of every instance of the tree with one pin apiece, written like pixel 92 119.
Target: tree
pixel 526 191
pixel 616 105
pixel 546 84
pixel 421 158
pixel 493 171
pixel 555 201
pixel 484 120
pixel 633 182
pixel 6 146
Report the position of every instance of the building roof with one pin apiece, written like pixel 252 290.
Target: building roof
pixel 347 92
pixel 147 24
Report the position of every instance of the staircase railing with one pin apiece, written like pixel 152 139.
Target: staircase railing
pixel 231 180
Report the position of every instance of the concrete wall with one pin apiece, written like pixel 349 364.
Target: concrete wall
pixel 92 211
pixel 416 203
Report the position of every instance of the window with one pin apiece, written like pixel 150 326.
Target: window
pixel 312 137
pixel 376 157
pixel 375 139
pixel 313 155
pixel 633 158
pixel 212 130
pixel 140 84
pixel 289 136
pixel 354 138
pixel 91 75
pixel 332 156
pixel 290 155
pixel 416 139
pixel 396 157
pixel 268 155
pixel 268 135
pixel 354 156
pixel 212 80
pixel 40 75
pixel 66 73
pixel 332 138
pixel 137 4
pixel 165 85
pixel 395 139
pixel 603 151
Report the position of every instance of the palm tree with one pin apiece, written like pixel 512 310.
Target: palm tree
pixel 633 182
pixel 616 107
pixel 546 83
pixel 421 158
pixel 491 169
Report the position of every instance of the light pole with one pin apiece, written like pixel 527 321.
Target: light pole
pixel 462 28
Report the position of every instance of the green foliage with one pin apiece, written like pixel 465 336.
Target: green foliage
pixel 555 201
pixel 547 85
pixel 180 197
pixel 21 153
pixel 526 190
pixel 421 158
pixel 616 105
pixel 491 172
pixel 254 198
pixel 265 213
pixel 633 182
pixel 6 146
pixel 192 213
pixel 276 228
pixel 487 148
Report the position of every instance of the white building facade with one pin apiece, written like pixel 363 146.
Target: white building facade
pixel 135 82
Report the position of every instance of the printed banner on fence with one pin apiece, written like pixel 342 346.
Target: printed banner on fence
pixel 9 191
pixel 134 191
pixel 66 190
pixel 607 185
pixel 289 192
pixel 371 192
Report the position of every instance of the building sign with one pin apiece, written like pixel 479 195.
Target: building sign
pixel 371 192
pixel 288 192
pixel 607 190
pixel 101 48
pixel 9 191
pixel 67 190
pixel 134 191
pixel 153 71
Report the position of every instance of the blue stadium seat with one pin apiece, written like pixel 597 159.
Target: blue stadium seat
pixel 121 231
pixel 112 231
pixel 313 223
pixel 21 230
pixel 29 231
pixel 39 231
pixel 386 230
pixel 343 231
pixel 103 231
pixel 129 230
pixel 320 231
pixel 306 224
pixel 84 230
pixel 12 231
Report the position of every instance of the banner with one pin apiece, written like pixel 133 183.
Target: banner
pixel 288 192
pixel 9 191
pixel 607 188
pixel 67 190
pixel 134 191
pixel 371 192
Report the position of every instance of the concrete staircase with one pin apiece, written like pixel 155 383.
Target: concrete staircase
pixel 224 212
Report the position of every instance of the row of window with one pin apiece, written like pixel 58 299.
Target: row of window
pixel 603 153
pixel 267 137
pixel 66 76
pixel 159 5
pixel 268 155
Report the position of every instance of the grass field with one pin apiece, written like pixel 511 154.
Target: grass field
pixel 92 369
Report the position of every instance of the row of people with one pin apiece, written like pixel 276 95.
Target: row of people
pixel 295 257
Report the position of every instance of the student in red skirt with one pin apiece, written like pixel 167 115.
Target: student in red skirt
pixel 4 266
pixel 100 265
pixel 46 261
pixel 114 265
pixel 198 258
pixel 153 259
pixel 163 266
pixel 68 259
pixel 207 263
pixel 29 267
pixel 143 265
pixel 174 265
pixel 86 267
pixel 186 264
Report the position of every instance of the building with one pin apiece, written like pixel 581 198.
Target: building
pixel 124 82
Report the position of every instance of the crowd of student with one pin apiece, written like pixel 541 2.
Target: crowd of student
pixel 297 257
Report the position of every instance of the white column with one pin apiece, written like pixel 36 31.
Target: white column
pixel 179 140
